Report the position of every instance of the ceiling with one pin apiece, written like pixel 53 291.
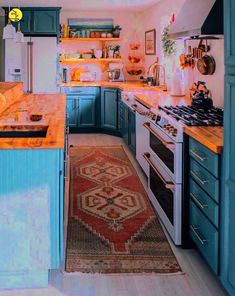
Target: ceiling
pixel 134 5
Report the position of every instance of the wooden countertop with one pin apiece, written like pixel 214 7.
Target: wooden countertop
pixel 126 85
pixel 211 137
pixel 52 107
pixel 9 93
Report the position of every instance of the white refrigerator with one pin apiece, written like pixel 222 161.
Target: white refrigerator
pixel 33 62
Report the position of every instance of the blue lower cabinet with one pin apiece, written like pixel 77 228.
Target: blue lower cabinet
pixel 109 108
pixel 132 131
pixel 127 124
pixel 87 111
pixel 83 107
pixel 124 118
pixel 205 236
pixel 72 105
pixel 31 216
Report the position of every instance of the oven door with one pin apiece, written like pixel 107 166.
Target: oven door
pixel 165 196
pixel 166 151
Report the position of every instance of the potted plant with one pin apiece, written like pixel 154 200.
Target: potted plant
pixel 116 31
pixel 116 51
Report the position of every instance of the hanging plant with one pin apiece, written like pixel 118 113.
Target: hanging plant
pixel 168 45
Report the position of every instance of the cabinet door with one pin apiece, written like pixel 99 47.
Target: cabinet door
pixel 109 103
pixel 228 196
pixel 131 130
pixel 229 35
pixel 87 111
pixel 72 110
pixel 25 23
pixel 228 178
pixel 45 22
pixel 124 117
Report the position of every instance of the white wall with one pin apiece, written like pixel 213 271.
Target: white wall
pixel 152 18
pixel 127 20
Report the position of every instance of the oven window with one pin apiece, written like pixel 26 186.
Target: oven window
pixel 166 155
pixel 164 196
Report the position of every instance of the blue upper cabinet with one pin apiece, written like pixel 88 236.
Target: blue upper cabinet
pixel 109 108
pixel 39 21
pixel 228 194
pixel 229 36
pixel 45 22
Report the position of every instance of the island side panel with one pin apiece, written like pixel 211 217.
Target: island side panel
pixel 30 195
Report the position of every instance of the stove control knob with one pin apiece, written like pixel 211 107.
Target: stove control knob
pixel 174 133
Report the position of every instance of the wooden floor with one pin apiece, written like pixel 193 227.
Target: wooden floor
pixel 197 281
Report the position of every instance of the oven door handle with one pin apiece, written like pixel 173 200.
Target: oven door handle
pixel 168 185
pixel 169 145
pixel 138 110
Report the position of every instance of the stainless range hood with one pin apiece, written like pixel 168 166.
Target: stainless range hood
pixel 198 17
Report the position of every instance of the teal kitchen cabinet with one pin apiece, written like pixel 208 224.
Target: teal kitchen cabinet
pixel 72 104
pixel 204 201
pixel 228 194
pixel 127 118
pixel 123 115
pixel 109 108
pixel 45 22
pixel 132 131
pixel 39 21
pixel 86 111
pixel 31 216
pixel 25 23
pixel 82 106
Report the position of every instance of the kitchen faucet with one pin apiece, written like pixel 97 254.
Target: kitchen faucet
pixel 154 72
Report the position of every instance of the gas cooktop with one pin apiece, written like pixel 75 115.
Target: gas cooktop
pixel 194 116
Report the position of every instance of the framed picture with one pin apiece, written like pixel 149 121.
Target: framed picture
pixel 150 42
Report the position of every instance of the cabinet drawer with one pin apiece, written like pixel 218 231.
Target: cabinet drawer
pixel 79 90
pixel 204 156
pixel 205 236
pixel 206 180
pixel 204 202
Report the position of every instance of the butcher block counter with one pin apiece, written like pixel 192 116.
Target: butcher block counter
pixel 126 85
pixel 211 137
pixel 52 107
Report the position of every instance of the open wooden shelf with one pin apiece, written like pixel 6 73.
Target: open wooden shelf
pixel 71 61
pixel 90 39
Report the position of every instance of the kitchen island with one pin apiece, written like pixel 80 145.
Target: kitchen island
pixel 32 194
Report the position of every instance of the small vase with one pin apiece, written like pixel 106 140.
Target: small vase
pixel 110 53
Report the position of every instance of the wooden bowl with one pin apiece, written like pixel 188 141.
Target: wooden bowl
pixel 35 117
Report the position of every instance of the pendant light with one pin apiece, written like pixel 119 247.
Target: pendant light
pixel 19 36
pixel 9 31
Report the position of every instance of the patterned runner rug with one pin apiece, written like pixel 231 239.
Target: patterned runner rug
pixel 112 227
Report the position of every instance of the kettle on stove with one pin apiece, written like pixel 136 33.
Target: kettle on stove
pixel 201 96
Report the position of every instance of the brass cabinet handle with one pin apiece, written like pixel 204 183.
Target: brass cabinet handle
pixel 134 107
pixel 194 230
pixel 168 185
pixel 165 143
pixel 195 153
pixel 203 182
pixel 197 201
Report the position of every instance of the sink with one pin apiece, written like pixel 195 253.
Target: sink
pixel 17 133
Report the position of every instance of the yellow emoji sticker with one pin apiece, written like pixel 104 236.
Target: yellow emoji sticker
pixel 15 15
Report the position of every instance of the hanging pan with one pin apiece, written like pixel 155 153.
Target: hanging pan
pixel 206 64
